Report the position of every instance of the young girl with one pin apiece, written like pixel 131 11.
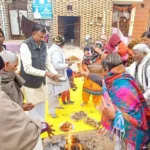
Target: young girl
pixel 71 79
pixel 66 94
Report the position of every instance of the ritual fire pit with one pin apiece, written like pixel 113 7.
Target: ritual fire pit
pixel 88 140
pixel 73 143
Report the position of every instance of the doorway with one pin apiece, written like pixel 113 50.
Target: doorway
pixel 69 27
pixel 16 11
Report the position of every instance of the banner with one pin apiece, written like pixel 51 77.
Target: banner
pixel 42 9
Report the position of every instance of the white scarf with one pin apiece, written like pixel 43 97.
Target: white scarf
pixel 140 71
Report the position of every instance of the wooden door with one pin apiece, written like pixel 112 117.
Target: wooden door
pixel 123 25
pixel 61 26
pixel 15 15
pixel 14 22
pixel 77 32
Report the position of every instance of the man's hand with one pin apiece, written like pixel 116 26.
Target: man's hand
pixel 83 73
pixel 27 106
pixel 70 63
pixel 51 75
pixel 47 128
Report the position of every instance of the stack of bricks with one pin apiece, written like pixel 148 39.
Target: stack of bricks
pixel 89 11
pixel 4 19
pixel 46 22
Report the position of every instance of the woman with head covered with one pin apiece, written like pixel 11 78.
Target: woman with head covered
pixel 116 45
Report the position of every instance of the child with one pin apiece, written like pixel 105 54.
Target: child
pixel 66 94
pixel 71 79
pixel 87 51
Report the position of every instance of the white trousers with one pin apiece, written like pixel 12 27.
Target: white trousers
pixel 38 98
pixel 39 145
pixel 36 95
pixel 53 102
pixel 38 112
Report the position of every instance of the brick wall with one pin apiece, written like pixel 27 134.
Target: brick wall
pixel 88 11
pixel 141 19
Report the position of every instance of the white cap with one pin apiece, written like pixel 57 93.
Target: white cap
pixel 9 56
pixel 141 48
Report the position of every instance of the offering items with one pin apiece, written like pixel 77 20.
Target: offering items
pixel 78 116
pixel 92 122
pixel 66 126
pixel 73 58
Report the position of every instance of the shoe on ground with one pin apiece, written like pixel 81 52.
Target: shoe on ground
pixel 70 102
pixel 74 89
pixel 53 115
pixel 59 107
pixel 83 104
pixel 64 103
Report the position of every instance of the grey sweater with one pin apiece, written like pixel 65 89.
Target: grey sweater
pixel 96 78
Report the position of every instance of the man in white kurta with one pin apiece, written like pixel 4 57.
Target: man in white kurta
pixel 55 88
pixel 34 68
pixel 140 69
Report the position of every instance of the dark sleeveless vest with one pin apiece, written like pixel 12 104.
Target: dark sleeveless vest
pixel 38 56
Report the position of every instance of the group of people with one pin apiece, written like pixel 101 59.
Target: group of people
pixel 123 90
pixel 40 67
pixel 121 93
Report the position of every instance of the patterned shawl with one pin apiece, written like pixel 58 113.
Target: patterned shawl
pixel 132 113
pixel 90 59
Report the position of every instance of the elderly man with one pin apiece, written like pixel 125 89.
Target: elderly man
pixel 2 47
pixel 34 66
pixel 140 69
pixel 11 82
pixel 16 125
pixel 54 89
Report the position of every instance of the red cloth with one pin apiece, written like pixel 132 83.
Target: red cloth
pixel 27 25
pixel 113 42
pixel 123 50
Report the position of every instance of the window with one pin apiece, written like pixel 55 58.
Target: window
pixel 142 5
pixel 69 7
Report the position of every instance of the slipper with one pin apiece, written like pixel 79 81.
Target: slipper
pixel 60 107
